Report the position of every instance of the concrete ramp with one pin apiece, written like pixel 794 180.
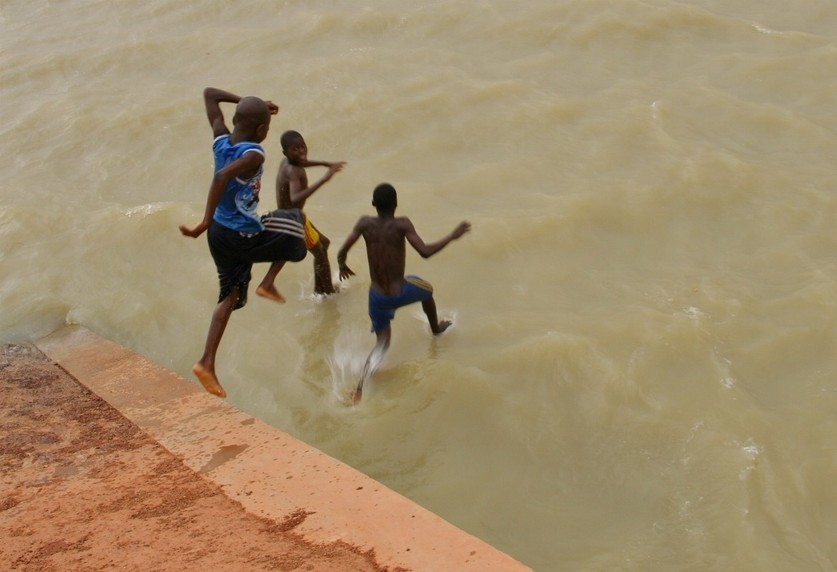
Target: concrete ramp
pixel 269 472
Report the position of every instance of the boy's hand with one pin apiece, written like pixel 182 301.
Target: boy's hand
pixel 461 229
pixel 334 168
pixel 193 232
pixel 345 272
pixel 272 107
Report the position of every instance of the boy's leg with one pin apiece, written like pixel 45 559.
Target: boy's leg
pixel 282 241
pixel 267 288
pixel 437 327
pixel 204 370
pixel 322 267
pixel 383 338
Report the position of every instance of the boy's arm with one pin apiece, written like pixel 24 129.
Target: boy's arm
pixel 212 99
pixel 428 250
pixel 310 163
pixel 298 194
pixel 345 271
pixel 244 164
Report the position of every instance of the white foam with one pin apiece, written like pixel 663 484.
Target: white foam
pixel 751 453
pixel 306 290
pixel 346 361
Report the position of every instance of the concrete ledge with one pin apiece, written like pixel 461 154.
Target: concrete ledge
pixel 269 472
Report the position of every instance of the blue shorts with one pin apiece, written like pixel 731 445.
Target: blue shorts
pixel 382 308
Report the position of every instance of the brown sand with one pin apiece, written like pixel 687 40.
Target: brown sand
pixel 81 488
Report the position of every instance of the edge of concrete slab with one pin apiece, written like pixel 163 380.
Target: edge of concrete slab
pixel 269 472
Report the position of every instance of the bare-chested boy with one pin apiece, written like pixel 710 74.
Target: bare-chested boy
pixel 292 191
pixel 386 236
pixel 238 236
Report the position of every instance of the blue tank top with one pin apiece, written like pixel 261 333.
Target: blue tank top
pixel 237 208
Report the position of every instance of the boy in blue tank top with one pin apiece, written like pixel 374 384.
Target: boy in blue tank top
pixel 238 237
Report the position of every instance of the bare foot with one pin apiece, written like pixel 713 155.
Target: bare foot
pixel 325 287
pixel 271 293
pixel 443 325
pixel 208 380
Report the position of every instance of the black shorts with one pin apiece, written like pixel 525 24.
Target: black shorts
pixel 234 252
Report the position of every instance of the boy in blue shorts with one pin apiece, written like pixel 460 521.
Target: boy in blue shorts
pixel 237 235
pixel 386 236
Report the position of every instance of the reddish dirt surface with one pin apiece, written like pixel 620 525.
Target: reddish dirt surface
pixel 83 489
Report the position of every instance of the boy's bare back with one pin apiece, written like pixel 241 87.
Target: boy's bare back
pixel 386 236
pixel 385 250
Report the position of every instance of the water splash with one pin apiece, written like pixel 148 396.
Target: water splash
pixel 345 364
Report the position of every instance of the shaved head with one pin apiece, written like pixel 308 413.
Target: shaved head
pixel 251 111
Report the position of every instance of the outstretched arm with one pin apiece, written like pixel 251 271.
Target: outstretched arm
pixel 245 164
pixel 345 271
pixel 311 163
pixel 428 250
pixel 295 182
